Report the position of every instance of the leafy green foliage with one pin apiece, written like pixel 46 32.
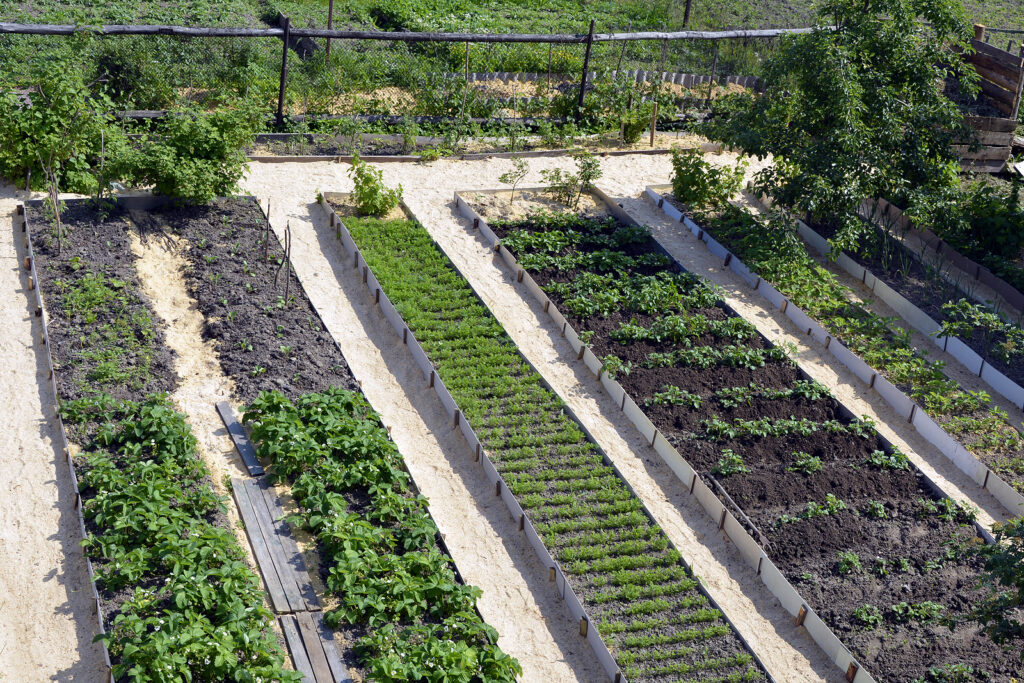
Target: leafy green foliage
pixel 514 176
pixel 1000 339
pixel 805 463
pixel 372 196
pixel 730 463
pixel 894 460
pixel 831 506
pixel 195 609
pixel 998 613
pixel 700 185
pixel 849 562
pixel 384 563
pixel 566 187
pixel 195 156
pixel 868 615
pixel 845 114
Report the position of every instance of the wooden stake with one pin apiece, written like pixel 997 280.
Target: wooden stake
pixel 330 25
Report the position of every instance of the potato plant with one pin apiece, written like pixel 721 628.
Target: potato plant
pixel 817 483
pixel 633 583
pixel 381 554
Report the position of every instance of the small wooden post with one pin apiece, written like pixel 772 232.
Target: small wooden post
pixel 330 25
pixel 622 52
pixel 586 69
pixel 465 90
pixel 1020 85
pixel 714 68
pixel 979 32
pixel 686 13
pixel 284 72
pixel 801 615
pixel 654 121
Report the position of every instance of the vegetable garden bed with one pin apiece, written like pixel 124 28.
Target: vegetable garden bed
pixel 971 432
pixel 394 594
pixel 827 496
pixel 173 588
pixel 609 560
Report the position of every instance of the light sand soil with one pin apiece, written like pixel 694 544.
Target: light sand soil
pixel 813 358
pixel 785 649
pixel 47 617
pixel 485 543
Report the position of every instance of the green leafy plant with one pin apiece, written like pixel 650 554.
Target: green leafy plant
pixel 514 176
pixel 998 612
pixel 849 562
pixel 698 184
pixel 372 197
pixel 566 187
pixel 730 463
pixel 868 615
pixel 805 463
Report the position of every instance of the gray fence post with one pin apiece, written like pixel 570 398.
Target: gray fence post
pixel 586 68
pixel 284 72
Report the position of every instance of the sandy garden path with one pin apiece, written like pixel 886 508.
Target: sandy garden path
pixel 47 617
pixel 484 541
pixel 787 651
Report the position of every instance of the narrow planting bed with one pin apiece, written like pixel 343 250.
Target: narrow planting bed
pixel 846 518
pixel 393 593
pixel 647 606
pixel 771 248
pixel 176 594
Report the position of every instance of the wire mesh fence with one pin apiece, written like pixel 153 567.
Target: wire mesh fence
pixel 502 77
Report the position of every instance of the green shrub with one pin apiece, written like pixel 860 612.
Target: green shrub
pixel 699 184
pixel 372 196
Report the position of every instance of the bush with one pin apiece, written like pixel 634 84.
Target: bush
pixel 699 185
pixel 194 157
pixel 372 196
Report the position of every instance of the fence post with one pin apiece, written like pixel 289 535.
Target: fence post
pixel 586 68
pixel 686 13
pixel 714 68
pixel 1020 85
pixel 622 52
pixel 284 72
pixel 979 32
pixel 330 25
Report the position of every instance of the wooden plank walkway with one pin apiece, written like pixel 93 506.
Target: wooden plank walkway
pixel 240 438
pixel 286 577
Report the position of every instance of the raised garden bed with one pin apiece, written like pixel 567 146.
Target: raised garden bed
pixel 172 580
pixel 395 597
pixel 963 425
pixel 640 607
pixel 822 492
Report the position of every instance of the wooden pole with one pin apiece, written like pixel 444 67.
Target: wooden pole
pixel 586 68
pixel 1020 86
pixel 330 26
pixel 284 73
pixel 686 13
pixel 714 68
pixel 622 52
pixel 654 121
pixel 979 32
pixel 551 47
pixel 465 90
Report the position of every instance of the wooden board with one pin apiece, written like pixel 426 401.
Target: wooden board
pixel 1008 82
pixel 283 563
pixel 984 153
pixel 993 66
pixel 330 650
pixel 995 166
pixel 240 439
pixel 271 579
pixel 1002 56
pixel 314 648
pixel 291 548
pixel 296 647
pixel 990 138
pixel 993 123
pixel 998 95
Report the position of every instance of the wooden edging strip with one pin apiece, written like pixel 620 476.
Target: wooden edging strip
pixel 726 520
pixel 926 426
pixel 558 575
pixel 21 212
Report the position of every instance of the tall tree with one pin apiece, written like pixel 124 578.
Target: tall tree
pixel 856 110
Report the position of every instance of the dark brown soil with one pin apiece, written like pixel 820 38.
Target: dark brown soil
pixel 264 343
pixel 807 550
pixel 93 244
pixel 922 286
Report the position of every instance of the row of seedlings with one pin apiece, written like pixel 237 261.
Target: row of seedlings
pixel 874 550
pixel 610 560
pixel 177 599
pixel 394 592
pixel 986 445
